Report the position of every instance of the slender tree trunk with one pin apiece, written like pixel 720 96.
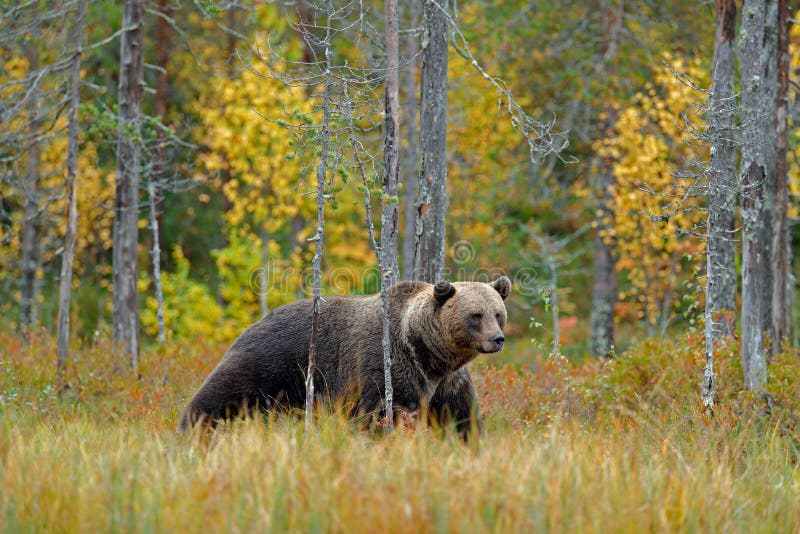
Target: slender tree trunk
pixel 781 257
pixel 604 286
pixel 162 61
pixel 390 216
pixel 554 309
pixel 754 175
pixel 720 260
pixel 30 193
pixel 390 213
pixel 65 287
pixel 753 274
pixel 154 188
pixel 769 66
pixel 263 303
pixel 152 195
pixel 410 193
pixel 723 189
pixel 319 237
pixel 432 183
pixel 126 233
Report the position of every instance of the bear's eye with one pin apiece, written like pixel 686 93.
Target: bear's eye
pixel 476 316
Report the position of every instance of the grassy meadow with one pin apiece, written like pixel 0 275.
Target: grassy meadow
pixel 582 447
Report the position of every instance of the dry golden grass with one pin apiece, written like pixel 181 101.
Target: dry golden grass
pixel 111 462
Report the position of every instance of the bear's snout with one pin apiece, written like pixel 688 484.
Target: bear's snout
pixel 498 341
pixel 494 344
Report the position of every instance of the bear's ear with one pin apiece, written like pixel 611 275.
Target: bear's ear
pixel 503 286
pixel 442 291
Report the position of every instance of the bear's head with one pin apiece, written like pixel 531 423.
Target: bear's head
pixel 472 314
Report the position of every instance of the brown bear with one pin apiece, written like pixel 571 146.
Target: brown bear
pixel 435 331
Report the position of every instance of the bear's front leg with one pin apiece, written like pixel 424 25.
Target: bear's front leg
pixel 455 402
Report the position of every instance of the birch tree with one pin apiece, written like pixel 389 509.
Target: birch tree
pixel 720 261
pixel 126 209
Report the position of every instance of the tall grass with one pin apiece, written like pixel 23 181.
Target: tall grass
pixel 107 459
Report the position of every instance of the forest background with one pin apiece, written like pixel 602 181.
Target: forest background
pixel 233 190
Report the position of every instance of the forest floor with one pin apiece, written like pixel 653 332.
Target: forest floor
pixel 622 447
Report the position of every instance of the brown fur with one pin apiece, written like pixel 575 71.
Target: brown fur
pixel 435 332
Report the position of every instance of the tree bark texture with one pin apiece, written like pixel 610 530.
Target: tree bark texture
pixel 410 192
pixel 30 191
pixel 722 283
pixel 781 256
pixel 720 259
pixel 754 175
pixel 604 286
pixel 67 259
pixel 432 182
pixel 390 214
pixel 152 195
pixel 126 209
pixel 769 66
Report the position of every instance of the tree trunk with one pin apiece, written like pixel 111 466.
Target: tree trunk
pixel 723 188
pixel 769 66
pixel 154 187
pixel 754 174
pixel 162 60
pixel 319 237
pixel 390 213
pixel 781 257
pixel 604 287
pixel 263 287
pixel 554 309
pixel 720 259
pixel 30 193
pixel 410 193
pixel 126 210
pixel 432 182
pixel 152 195
pixel 65 287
